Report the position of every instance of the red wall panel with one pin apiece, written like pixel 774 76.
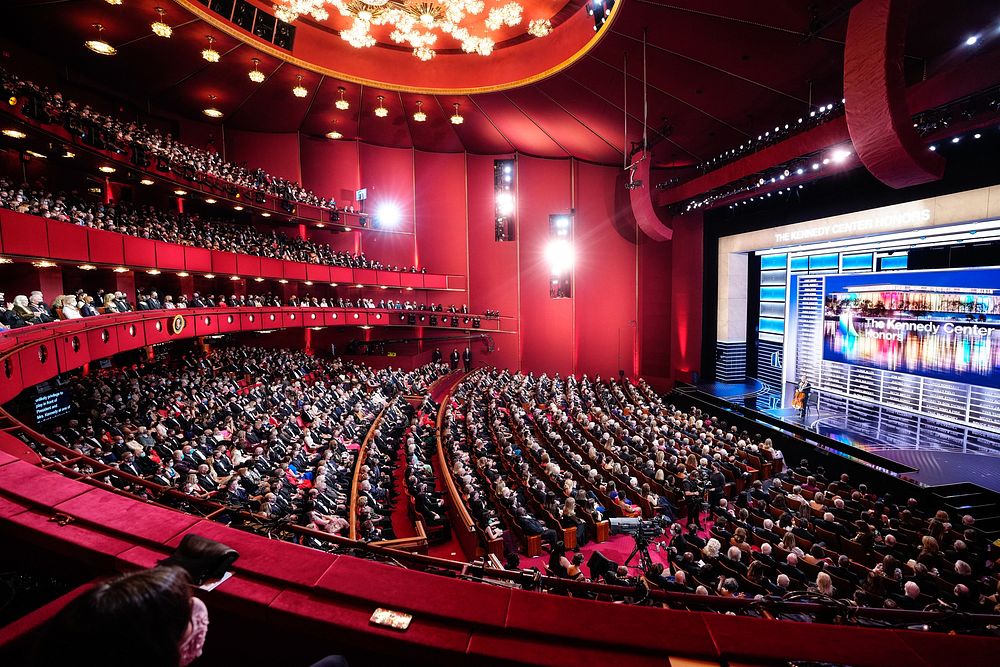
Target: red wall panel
pixel 67 241
pixel 334 318
pixel 229 322
pixel 251 321
pixel 23 234
pixel 388 175
pixel 435 281
pixel 157 331
pixel 139 252
pixel 98 346
pixel 687 281
pixel 10 373
pixel 330 168
pixel 492 265
pixel 605 278
pixel 130 336
pixel 547 340
pixel 441 215
pixel 390 278
pixel 366 276
pixel 341 275
pixel 289 320
pixel 38 363
pixel 278 154
pixel 318 273
pixel 411 280
pixel 654 307
pixel 206 323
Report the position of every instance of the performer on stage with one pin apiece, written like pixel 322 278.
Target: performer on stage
pixel 802 393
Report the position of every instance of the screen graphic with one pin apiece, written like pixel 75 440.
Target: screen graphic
pixel 52 405
pixel 939 324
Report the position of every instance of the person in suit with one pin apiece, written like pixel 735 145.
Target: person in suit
pixel 533 526
pixel 41 312
pixel 454 359
pixel 467 359
pixel 436 356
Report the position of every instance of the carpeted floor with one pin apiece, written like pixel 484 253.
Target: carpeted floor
pixel 401 524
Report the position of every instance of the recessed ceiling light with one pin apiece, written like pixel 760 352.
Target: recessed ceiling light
pixel 237 208
pixel 153 272
pixel 209 200
pixel 258 279
pixel 120 269
pixel 69 154
pixel 86 267
pixel 43 264
pixel 180 193
pixel 146 181
pixel 14 134
pixel 183 274
pixel 265 214
pixel 209 275
pixel 36 154
pixel 106 169
pixel 283 281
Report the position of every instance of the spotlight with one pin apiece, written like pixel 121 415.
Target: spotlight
pixel 839 156
pixel 388 215
pixel 971 40
pixel 955 140
pixel 560 256
pixel 505 203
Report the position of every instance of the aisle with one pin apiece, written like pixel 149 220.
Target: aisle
pixel 401 524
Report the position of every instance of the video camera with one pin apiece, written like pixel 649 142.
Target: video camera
pixel 649 529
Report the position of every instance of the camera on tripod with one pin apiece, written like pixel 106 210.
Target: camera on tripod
pixel 649 529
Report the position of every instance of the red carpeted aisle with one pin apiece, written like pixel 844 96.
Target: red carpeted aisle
pixel 401 524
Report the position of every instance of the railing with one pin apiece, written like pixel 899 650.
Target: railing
pixel 33 354
pixel 34 237
pixel 360 461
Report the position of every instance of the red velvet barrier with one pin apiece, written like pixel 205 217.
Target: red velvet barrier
pixel 435 281
pixel 139 252
pixel 223 263
pixel 72 351
pixel 291 320
pixel 251 321
pixel 318 273
pixel 106 247
pixel 22 235
pixel 271 318
pixel 32 485
pixel 875 89
pixel 294 270
pixel 341 275
pixel 248 265
pixel 388 278
pixel 415 280
pixel 206 324
pixel 157 331
pixel 130 336
pixel 67 241
pixel 375 319
pixel 229 322
pixel 271 268
pixel 197 260
pixel 355 317
pixel 103 342
pixel 117 514
pixel 312 319
pixel 366 276
pixel 170 256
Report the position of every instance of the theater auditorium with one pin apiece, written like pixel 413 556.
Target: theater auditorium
pixel 518 332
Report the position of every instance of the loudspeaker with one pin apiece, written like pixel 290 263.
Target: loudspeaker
pixel 454 321
pixel 599 564
pixel 411 319
pixel 434 320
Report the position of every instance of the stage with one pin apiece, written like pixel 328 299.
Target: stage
pixel 942 452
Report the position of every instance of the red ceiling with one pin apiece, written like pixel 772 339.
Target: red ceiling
pixel 718 72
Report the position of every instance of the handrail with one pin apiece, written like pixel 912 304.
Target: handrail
pixel 357 274
pixel 458 509
pixel 362 452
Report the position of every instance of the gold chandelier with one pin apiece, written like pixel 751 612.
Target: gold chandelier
pixel 418 23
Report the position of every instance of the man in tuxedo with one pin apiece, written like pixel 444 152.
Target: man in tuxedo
pixel 36 303
pixel 454 359
pixel 467 359
pixel 436 356
pixel 533 526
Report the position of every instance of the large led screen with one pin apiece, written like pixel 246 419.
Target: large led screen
pixel 939 324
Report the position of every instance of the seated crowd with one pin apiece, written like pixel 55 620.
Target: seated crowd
pixel 149 222
pixel 143 144
pixel 535 456
pixel 274 433
pixel 26 310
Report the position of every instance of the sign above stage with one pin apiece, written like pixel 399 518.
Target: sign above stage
pixel 824 230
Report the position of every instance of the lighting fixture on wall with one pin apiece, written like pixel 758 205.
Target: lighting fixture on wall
pixel 211 111
pixel 159 27
pixel 120 269
pixel 419 115
pixel 43 264
pixel 380 110
pixel 14 134
pixel 99 46
pixel 265 214
pixel 456 118
pixel 180 193
pixel 299 90
pixel 210 54
pixel 210 200
pixel 153 272
pixel 183 274
pixel 146 181
pixel 210 276
pixel 255 74
pixel 86 267
pixel 106 169
pixel 237 208
pixel 342 103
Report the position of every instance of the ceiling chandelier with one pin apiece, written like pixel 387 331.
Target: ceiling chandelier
pixel 417 23
pixel 159 27
pixel 419 114
pixel 210 54
pixel 299 90
pixel 99 46
pixel 255 74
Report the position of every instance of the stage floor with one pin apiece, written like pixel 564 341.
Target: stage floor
pixel 942 452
